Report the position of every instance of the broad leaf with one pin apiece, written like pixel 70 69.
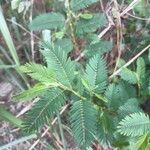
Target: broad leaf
pixel 47 21
pixel 86 26
pixel 80 4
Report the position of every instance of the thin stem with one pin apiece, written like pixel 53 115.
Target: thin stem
pixel 61 131
pixel 44 133
pixel 129 62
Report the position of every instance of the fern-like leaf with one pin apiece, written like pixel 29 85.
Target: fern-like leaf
pixel 91 25
pixel 141 70
pixel 65 44
pixel 100 47
pixel 39 72
pixel 27 95
pixel 135 124
pixel 96 74
pixel 117 94
pixel 81 4
pixel 83 119
pixel 47 21
pixel 129 76
pixel 105 128
pixel 44 109
pixel 131 106
pixel 57 60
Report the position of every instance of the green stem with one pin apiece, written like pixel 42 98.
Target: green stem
pixel 61 131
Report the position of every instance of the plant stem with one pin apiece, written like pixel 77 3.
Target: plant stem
pixel 61 131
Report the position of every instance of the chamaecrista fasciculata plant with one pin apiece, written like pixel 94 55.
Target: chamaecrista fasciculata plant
pixel 103 110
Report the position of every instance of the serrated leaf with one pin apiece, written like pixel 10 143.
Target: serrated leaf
pixel 100 48
pixel 39 72
pixel 135 124
pixel 104 128
pixel 58 61
pixel 81 4
pixel 129 76
pixel 86 26
pixel 65 44
pixel 47 21
pixel 143 142
pixel 83 119
pixel 130 106
pixel 96 74
pixel 44 109
pixel 140 70
pixel 30 93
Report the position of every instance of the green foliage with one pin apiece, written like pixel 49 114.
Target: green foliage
pixel 57 60
pixel 135 124
pixel 49 103
pixel 96 81
pixel 143 142
pixel 129 76
pixel 27 95
pixel 99 47
pixel 131 106
pixel 47 21
pixel 65 44
pixel 102 109
pixel 80 4
pixel 38 72
pixel 87 26
pixel 83 122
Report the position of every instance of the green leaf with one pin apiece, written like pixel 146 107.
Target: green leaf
pixel 58 61
pixel 143 142
pixel 129 76
pixel 64 44
pixel 81 4
pixel 130 106
pixel 86 16
pixel 117 94
pixel 39 72
pixel 44 109
pixel 86 26
pixel 30 93
pixel 7 116
pixel 104 128
pixel 135 124
pixel 83 122
pixel 96 74
pixel 47 21
pixel 100 48
pixel 141 70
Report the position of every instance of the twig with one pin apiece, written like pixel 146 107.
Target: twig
pixel 102 6
pixel 125 11
pixel 32 36
pixel 44 133
pixel 119 32
pixel 131 6
pixel 28 107
pixel 139 18
pixel 23 28
pixel 129 62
